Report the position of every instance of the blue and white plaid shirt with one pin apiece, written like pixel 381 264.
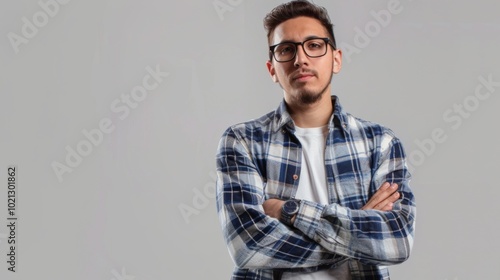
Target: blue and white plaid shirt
pixel 261 159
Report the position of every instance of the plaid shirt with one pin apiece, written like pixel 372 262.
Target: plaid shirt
pixel 261 159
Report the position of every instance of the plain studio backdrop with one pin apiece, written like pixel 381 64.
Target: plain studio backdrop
pixel 112 111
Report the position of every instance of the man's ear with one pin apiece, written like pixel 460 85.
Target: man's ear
pixel 337 61
pixel 272 71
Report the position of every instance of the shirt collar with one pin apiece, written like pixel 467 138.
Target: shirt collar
pixel 283 120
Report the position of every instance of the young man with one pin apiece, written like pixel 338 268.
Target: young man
pixel 309 191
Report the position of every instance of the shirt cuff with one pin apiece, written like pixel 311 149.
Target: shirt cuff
pixel 308 218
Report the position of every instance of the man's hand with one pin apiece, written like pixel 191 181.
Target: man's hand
pixel 272 207
pixel 384 198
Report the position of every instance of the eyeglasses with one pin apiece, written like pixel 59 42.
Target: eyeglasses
pixel 315 47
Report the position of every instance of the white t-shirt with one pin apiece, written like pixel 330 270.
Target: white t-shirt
pixel 313 187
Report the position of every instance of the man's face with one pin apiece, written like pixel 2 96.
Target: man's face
pixel 304 79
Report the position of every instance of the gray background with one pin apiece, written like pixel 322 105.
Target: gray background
pixel 117 214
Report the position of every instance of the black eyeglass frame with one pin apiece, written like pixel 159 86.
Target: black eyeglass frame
pixel 326 40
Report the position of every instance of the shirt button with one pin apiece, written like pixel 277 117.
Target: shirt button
pixel 295 176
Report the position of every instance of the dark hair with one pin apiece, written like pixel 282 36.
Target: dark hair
pixel 297 8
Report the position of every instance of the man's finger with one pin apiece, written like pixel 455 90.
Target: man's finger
pixel 388 203
pixel 377 197
pixel 382 197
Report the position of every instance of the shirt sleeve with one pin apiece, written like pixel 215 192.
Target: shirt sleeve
pixel 255 240
pixel 370 236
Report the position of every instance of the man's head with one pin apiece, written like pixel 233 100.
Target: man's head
pixel 303 54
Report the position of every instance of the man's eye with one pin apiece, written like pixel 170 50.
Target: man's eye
pixel 285 50
pixel 314 45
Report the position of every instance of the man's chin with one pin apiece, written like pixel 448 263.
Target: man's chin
pixel 309 97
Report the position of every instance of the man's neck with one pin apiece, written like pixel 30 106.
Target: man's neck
pixel 312 115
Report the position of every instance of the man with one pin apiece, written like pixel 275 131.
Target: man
pixel 309 191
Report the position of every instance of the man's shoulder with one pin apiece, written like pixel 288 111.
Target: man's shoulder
pixel 254 127
pixel 369 128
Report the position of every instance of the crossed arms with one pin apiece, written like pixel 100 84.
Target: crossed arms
pixel 380 233
pixel 382 200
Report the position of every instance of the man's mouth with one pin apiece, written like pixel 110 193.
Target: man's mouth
pixel 303 77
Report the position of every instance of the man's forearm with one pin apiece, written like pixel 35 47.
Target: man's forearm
pixel 382 200
pixel 370 236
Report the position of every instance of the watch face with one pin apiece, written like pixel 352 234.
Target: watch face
pixel 291 206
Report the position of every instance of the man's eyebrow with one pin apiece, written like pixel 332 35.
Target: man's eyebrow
pixel 306 38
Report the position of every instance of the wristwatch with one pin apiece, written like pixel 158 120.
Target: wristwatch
pixel 289 209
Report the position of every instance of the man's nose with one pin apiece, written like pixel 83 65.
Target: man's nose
pixel 301 56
